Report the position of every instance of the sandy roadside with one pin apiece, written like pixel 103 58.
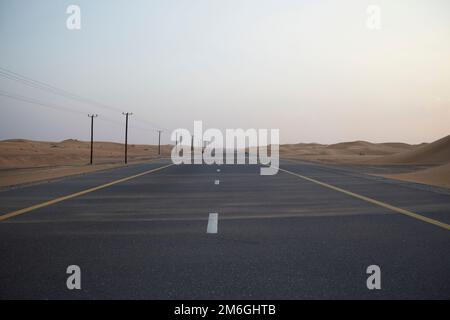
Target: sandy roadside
pixel 26 161
pixel 24 176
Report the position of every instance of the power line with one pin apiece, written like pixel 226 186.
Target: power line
pixel 59 108
pixel 36 102
pixel 49 88
pixel 8 74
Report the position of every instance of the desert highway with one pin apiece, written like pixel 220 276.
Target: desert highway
pixel 140 232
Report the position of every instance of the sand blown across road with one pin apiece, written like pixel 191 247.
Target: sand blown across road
pixel 438 176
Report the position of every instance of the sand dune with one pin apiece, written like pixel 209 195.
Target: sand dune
pixel 435 153
pixel 355 151
pixel 367 148
pixel 383 154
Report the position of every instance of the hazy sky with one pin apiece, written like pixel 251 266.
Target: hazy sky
pixel 310 68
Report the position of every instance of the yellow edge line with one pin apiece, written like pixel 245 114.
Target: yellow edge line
pixel 376 202
pixel 73 195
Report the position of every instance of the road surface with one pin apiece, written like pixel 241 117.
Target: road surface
pixel 143 236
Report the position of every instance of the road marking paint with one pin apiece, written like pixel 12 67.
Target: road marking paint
pixel 77 194
pixel 218 170
pixel 373 201
pixel 212 223
pixel 217 182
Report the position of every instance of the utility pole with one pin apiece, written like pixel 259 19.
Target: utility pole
pixel 159 142
pixel 92 116
pixel 126 114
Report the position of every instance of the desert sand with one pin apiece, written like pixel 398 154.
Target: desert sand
pixel 436 153
pixel 363 153
pixel 345 152
pixel 438 176
pixel 26 161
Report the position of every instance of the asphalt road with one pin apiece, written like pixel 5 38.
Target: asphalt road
pixel 279 237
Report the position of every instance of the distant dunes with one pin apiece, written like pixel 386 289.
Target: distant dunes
pixel 25 160
pixel 342 151
pixel 436 154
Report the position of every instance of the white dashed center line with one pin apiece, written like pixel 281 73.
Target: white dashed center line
pixel 218 170
pixel 212 223
pixel 217 182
